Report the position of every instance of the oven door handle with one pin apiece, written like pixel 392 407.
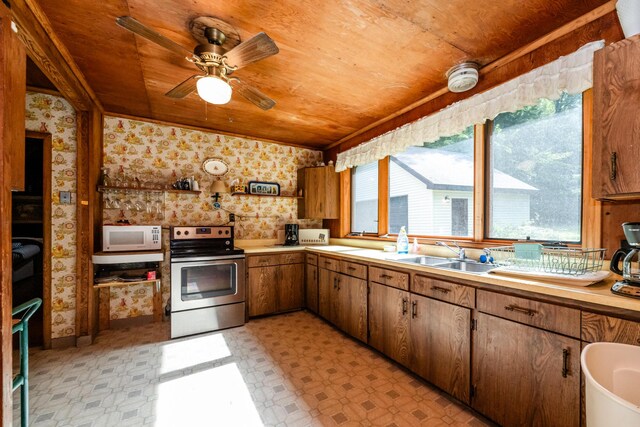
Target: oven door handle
pixel 206 258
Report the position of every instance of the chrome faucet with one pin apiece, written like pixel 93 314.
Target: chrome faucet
pixel 460 252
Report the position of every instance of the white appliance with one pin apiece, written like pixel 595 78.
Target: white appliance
pixel 129 238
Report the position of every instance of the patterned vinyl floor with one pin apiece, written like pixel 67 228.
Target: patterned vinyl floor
pixel 287 370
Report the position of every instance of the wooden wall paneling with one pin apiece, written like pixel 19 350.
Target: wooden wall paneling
pixel 83 250
pixel 591 208
pixel 12 101
pixel 50 55
pixel 342 226
pixel 479 183
pixel 383 197
pixel 16 83
pixel 95 211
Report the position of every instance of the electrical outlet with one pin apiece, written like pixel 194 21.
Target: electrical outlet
pixel 65 197
pixel 232 217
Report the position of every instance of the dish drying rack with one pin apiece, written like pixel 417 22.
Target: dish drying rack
pixel 539 258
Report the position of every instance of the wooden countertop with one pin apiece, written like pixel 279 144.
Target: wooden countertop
pixel 597 296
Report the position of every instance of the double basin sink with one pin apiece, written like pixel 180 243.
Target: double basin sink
pixel 468 266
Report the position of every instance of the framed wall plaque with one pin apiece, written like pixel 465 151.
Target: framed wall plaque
pixel 264 188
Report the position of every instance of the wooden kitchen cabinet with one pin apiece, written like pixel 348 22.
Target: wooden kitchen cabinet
pixel 320 193
pixel 616 123
pixel 524 376
pixel 389 321
pixel 440 344
pixel 275 283
pixel 342 300
pixel 311 287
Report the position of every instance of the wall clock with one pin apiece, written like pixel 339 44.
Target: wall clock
pixel 215 167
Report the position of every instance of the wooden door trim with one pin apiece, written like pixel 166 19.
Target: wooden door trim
pixel 46 139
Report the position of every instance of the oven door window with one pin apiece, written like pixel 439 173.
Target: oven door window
pixel 208 281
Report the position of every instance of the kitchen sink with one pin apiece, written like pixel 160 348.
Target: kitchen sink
pixel 425 260
pixel 469 267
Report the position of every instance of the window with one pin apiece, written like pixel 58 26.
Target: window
pixel 364 198
pixel 431 188
pixel 535 172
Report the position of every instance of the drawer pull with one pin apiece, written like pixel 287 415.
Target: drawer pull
pixel 439 289
pixel 565 362
pixel 515 308
pixel 405 304
pixel 414 309
pixel 386 276
pixel 614 166
pixel 351 268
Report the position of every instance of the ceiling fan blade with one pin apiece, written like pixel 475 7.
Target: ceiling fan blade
pixel 184 88
pixel 253 94
pixel 138 28
pixel 256 48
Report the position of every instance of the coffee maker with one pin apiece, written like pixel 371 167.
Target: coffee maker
pixel 291 234
pixel 630 255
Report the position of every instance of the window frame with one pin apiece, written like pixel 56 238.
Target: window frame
pixel 590 208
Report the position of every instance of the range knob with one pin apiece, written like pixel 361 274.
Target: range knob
pixel 186 233
pixel 226 231
pixel 178 232
pixel 219 231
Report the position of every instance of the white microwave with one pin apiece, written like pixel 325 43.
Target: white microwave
pixel 127 238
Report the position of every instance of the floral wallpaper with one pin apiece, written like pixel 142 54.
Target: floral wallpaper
pixel 54 115
pixel 161 154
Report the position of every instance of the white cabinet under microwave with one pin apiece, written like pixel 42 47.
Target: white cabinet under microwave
pixel 127 238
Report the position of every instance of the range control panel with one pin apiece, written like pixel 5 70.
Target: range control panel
pixel 190 233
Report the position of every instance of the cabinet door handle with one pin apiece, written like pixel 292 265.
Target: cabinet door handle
pixel 439 289
pixel 414 309
pixel 335 283
pixel 405 306
pixel 565 362
pixel 314 274
pixel 614 166
pixel 526 311
pixel 338 280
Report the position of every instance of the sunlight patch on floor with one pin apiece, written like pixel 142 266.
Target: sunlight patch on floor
pixel 177 355
pixel 218 396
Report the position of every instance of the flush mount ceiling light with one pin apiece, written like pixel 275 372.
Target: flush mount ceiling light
pixel 462 77
pixel 214 90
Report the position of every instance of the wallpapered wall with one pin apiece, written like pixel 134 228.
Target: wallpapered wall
pixel 161 153
pixel 51 114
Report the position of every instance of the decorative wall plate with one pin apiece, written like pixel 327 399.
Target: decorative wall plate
pixel 215 167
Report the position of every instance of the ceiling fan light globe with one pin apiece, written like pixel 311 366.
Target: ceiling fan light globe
pixel 214 90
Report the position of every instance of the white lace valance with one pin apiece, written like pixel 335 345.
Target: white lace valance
pixel 572 73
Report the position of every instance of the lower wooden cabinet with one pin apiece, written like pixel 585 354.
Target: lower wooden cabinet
pixel 311 288
pixel 275 288
pixel 389 317
pixel 342 300
pixel 440 350
pixel 523 376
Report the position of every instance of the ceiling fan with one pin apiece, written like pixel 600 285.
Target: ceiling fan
pixel 217 55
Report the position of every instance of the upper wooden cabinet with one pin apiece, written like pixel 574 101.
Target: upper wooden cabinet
pixel 320 193
pixel 616 122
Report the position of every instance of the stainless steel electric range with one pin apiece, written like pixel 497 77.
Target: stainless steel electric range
pixel 207 280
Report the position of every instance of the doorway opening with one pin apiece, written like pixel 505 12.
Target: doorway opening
pixel 31 237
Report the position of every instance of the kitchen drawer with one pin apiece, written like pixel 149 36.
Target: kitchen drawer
pixel 444 291
pixel 353 269
pixel 389 277
pixel 598 327
pixel 329 263
pixel 275 259
pixel 312 259
pixel 543 315
pixel 292 258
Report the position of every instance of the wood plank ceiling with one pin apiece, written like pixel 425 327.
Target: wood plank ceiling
pixel 343 64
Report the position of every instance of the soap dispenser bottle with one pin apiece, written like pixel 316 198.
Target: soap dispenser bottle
pixel 403 241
